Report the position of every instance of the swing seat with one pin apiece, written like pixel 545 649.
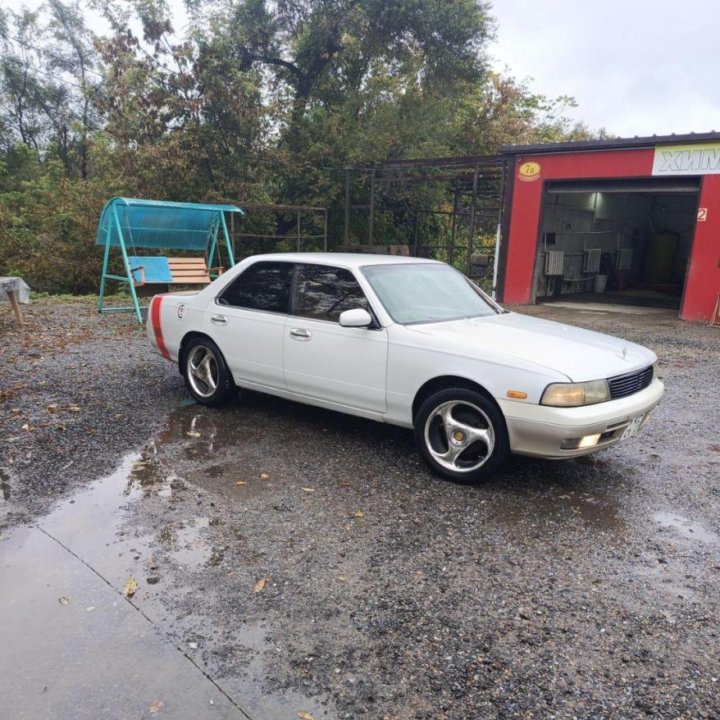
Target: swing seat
pixel 170 271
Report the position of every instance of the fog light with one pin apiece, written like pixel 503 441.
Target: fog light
pixel 583 442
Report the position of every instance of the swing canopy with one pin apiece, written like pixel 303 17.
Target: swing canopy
pixel 136 223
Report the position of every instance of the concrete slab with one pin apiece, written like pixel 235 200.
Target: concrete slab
pixel 73 647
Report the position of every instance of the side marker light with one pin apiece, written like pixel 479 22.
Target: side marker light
pixel 517 394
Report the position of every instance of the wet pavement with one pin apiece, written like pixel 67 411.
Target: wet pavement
pixel 293 562
pixel 74 647
pixel 91 651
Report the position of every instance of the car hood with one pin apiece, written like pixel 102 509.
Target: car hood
pixel 576 353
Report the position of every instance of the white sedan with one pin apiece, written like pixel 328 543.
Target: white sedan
pixel 413 343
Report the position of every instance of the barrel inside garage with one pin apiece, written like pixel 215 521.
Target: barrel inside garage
pixel 616 241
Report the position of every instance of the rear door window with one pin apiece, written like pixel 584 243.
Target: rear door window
pixel 263 286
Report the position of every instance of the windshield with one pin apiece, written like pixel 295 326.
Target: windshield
pixel 418 293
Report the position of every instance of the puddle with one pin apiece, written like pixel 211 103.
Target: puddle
pixel 685 528
pixel 191 549
pixel 289 704
pixel 91 524
pixel 203 447
pixel 557 506
pixel 100 527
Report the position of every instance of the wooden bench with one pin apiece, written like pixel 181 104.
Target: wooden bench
pixel 157 270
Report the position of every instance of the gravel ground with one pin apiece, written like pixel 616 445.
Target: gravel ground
pixel 299 551
pixel 76 391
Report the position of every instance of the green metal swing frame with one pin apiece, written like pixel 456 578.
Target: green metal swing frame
pixel 158 224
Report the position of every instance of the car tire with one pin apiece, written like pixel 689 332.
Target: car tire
pixel 206 373
pixel 461 434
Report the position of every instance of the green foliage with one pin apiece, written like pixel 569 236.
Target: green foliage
pixel 264 102
pixel 47 231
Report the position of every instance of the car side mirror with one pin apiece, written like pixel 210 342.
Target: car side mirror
pixel 357 318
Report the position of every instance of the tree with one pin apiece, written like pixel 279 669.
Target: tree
pixel 181 117
pixel 333 66
pixel 503 111
pixel 46 85
pixel 259 101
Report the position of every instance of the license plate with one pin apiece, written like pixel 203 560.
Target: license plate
pixel 633 426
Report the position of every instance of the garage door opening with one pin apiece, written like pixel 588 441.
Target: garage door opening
pixel 616 241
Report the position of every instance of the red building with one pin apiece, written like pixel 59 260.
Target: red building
pixel 628 220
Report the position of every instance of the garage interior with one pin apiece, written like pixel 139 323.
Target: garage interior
pixel 616 241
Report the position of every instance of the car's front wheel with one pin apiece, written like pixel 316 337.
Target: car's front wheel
pixel 461 434
pixel 206 373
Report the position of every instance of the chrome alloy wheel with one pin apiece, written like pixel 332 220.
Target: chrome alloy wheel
pixel 203 373
pixel 459 436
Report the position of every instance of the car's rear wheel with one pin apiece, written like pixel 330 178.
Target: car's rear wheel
pixel 206 374
pixel 461 434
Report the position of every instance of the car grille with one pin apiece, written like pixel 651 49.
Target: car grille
pixel 624 385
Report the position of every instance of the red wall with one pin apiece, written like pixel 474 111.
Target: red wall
pixel 702 284
pixel 703 280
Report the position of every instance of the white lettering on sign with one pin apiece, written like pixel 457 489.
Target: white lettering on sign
pixel 687 160
pixel 702 214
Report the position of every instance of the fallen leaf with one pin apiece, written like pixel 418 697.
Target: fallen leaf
pixel 359 514
pixel 342 578
pixel 308 489
pixel 240 482
pixel 193 433
pixel 157 706
pixel 53 408
pixel 25 427
pixel 305 715
pixel 74 408
pixel 264 476
pixel 260 584
pixel 131 587
pixel 64 600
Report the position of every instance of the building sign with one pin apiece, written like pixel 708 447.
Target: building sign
pixel 687 160
pixel 529 171
pixel 702 215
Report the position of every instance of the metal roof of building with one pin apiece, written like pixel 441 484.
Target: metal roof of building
pixel 611 144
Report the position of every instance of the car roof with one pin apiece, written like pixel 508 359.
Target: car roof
pixel 348 260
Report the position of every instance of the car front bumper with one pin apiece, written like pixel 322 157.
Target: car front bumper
pixel 541 431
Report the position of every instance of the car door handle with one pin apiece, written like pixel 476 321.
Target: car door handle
pixel 300 334
pixel 218 319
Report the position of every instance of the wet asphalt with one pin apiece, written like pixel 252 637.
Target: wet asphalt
pixel 293 562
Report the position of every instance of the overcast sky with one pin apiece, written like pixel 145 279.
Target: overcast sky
pixel 635 67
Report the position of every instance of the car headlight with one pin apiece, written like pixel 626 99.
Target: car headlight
pixel 576 394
